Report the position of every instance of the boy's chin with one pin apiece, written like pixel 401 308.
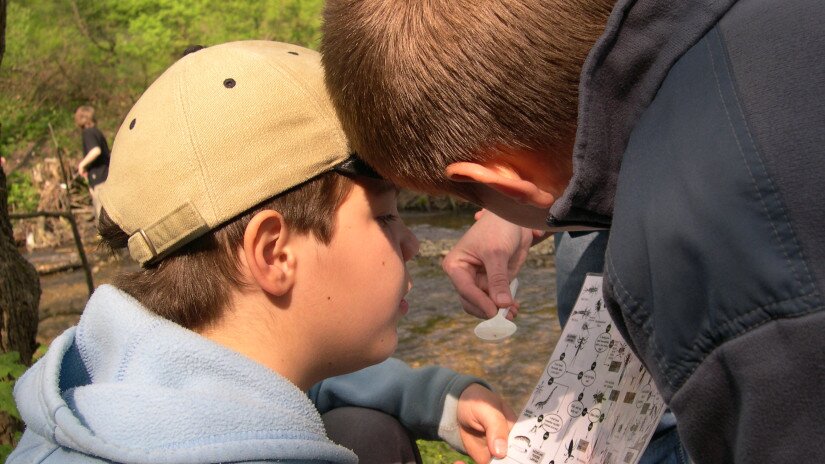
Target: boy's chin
pixel 387 349
pixel 357 360
pixel 382 352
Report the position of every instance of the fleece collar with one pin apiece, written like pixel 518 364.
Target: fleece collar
pixel 128 386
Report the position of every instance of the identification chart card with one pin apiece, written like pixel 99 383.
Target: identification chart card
pixel 595 402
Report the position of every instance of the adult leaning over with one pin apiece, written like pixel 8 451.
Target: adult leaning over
pixel 692 130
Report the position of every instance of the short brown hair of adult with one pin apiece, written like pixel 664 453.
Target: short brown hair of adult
pixel 422 84
pixel 84 117
pixel 192 286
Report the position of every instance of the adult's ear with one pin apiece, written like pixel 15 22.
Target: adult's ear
pixel 502 178
pixel 267 253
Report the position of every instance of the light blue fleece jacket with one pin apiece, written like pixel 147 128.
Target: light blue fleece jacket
pixel 126 385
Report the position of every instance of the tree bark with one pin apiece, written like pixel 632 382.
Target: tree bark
pixel 19 285
pixel 19 300
pixel 19 290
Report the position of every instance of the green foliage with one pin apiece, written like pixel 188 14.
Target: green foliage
pixel 39 352
pixel 438 452
pixel 23 196
pixel 25 128
pixel 5 451
pixel 64 53
pixel 420 202
pixel 10 370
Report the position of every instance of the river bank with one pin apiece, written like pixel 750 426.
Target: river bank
pixel 436 330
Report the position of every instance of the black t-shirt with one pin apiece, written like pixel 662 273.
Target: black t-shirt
pixel 99 168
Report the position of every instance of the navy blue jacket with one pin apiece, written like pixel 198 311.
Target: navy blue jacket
pixel 701 144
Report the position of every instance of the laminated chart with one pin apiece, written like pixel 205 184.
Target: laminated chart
pixel 595 402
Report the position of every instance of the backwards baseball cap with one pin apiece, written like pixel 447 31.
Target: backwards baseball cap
pixel 222 130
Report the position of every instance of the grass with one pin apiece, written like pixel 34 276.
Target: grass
pixel 438 452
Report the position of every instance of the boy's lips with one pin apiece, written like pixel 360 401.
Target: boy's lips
pixel 404 307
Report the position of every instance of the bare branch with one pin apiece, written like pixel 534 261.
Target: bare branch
pixel 84 29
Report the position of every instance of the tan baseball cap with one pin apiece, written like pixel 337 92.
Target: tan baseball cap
pixel 223 129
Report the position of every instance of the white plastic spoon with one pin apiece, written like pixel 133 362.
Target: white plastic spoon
pixel 497 328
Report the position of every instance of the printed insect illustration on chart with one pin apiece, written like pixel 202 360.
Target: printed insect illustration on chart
pixel 595 402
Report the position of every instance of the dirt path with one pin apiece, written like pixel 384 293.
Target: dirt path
pixel 64 294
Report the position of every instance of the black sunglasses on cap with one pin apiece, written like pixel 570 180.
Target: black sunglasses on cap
pixel 355 166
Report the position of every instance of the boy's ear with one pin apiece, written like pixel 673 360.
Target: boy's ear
pixel 502 178
pixel 267 254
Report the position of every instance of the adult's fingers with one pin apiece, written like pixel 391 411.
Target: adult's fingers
pixel 472 309
pixel 474 300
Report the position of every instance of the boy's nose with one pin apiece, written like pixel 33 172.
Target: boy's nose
pixel 409 244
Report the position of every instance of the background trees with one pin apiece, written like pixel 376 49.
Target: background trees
pixel 63 53
pixel 58 54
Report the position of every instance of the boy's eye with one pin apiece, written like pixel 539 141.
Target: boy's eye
pixel 387 219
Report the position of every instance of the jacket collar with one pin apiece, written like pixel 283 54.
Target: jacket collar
pixel 620 77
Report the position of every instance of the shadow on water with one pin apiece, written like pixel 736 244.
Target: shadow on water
pixel 435 331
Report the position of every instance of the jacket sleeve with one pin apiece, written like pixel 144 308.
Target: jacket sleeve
pixel 424 400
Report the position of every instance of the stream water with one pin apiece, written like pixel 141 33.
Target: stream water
pixel 435 331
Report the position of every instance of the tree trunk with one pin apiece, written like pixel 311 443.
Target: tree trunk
pixel 19 290
pixel 19 299
pixel 19 285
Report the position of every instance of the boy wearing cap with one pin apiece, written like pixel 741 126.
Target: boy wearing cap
pixel 272 266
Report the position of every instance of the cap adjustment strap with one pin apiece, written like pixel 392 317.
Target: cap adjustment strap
pixel 167 234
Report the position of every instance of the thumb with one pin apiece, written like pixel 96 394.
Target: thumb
pixel 497 426
pixel 497 439
pixel 498 283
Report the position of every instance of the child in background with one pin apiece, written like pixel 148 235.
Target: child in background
pixel 94 167
pixel 272 277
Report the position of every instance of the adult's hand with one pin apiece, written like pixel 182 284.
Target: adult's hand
pixel 484 423
pixel 484 261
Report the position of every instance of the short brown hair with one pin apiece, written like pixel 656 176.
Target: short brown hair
pixel 84 117
pixel 192 286
pixel 420 85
